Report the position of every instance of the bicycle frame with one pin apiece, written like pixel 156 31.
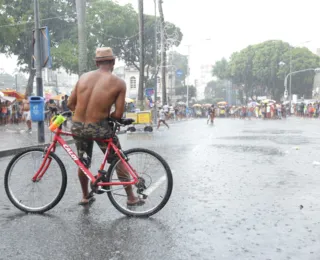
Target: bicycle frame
pixel 58 139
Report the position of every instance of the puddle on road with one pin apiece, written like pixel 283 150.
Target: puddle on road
pixel 291 140
pixel 273 131
pixel 264 150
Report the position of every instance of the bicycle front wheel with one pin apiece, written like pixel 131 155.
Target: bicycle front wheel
pixel 39 196
pixel 153 189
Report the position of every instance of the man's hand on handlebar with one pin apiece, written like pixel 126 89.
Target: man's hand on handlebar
pixel 66 114
pixel 126 121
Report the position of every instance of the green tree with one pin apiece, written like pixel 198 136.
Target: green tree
pixel 182 91
pixel 108 24
pixel 260 69
pixel 220 69
pixel 215 90
pixel 16 38
pixel 179 62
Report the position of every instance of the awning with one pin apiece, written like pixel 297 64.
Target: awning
pixel 6 98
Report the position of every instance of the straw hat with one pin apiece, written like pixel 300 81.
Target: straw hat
pixel 104 53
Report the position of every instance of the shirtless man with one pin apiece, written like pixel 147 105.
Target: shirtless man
pixel 91 101
pixel 26 112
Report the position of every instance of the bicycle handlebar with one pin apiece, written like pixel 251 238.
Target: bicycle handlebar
pixel 122 121
pixel 66 113
pixel 117 122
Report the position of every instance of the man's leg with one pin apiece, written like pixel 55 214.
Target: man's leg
pixel 165 123
pixel 29 123
pixel 86 147
pixel 122 172
pixel 84 185
pixel 124 176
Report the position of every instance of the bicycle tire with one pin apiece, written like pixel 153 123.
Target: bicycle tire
pixel 164 201
pixel 54 202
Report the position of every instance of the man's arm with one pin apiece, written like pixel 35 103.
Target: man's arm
pixel 72 101
pixel 120 102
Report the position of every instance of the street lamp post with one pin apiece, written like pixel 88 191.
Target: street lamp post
pixel 292 73
pixel 173 67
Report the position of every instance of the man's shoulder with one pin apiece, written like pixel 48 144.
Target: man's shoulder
pixel 120 82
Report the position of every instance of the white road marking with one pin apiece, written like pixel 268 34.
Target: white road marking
pixel 155 185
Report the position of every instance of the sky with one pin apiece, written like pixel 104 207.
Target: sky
pixel 216 28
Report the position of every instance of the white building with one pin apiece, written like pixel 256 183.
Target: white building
pixel 205 77
pixel 131 76
pixel 56 82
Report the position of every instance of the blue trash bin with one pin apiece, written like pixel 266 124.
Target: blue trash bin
pixel 36 108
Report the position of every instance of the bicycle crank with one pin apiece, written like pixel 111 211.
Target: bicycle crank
pixel 141 187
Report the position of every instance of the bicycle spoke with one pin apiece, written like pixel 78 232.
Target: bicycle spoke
pixel 153 182
pixel 34 196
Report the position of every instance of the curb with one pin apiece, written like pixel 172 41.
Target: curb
pixel 9 152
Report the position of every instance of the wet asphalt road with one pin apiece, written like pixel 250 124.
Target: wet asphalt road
pixel 242 190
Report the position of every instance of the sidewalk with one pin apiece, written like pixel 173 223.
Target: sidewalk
pixel 14 138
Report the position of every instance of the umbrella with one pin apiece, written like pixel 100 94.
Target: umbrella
pixel 181 103
pixel 13 93
pixel 222 103
pixel 253 104
pixel 129 100
pixel 196 105
pixel 207 105
pixel 268 101
pixel 1 94
pixel 58 97
pixel 6 98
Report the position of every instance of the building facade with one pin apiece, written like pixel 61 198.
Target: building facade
pixel 131 77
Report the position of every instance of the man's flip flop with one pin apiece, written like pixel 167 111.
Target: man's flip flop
pixel 90 199
pixel 137 203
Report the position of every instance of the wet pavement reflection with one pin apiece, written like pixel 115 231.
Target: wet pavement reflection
pixel 242 190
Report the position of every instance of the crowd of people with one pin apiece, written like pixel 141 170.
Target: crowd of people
pixel 17 112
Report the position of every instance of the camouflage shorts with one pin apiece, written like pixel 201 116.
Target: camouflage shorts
pixel 84 132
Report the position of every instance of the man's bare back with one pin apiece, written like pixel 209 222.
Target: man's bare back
pixel 94 95
pixel 26 105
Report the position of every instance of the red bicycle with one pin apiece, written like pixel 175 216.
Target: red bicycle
pixel 43 179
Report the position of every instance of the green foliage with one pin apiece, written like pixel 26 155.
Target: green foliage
pixel 220 69
pixel 16 37
pixel 108 24
pixel 180 62
pixel 260 69
pixel 215 90
pixel 182 91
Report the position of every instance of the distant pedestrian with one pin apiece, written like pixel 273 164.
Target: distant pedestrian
pixel 64 107
pixel 26 112
pixel 162 118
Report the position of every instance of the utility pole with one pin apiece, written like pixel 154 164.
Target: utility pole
pixel 16 81
pixel 141 60
pixel 163 55
pixel 155 64
pixel 290 77
pixel 38 66
pixel 82 36
pixel 188 72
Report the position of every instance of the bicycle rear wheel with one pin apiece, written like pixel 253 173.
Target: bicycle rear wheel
pixel 153 172
pixel 39 196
